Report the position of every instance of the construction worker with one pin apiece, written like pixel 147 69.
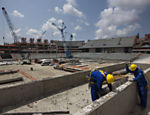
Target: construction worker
pixel 141 82
pixel 96 78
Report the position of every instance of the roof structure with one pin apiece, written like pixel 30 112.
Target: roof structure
pixel 110 43
pixel 73 43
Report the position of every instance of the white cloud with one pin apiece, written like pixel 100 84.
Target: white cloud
pixel 48 26
pixel 127 4
pixel 120 18
pixel 60 21
pixel 17 14
pixel 69 9
pixel 86 23
pixel 57 9
pixel 83 22
pixel 17 31
pixel 33 32
pixel 57 34
pixel 78 28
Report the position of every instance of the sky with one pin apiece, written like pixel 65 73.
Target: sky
pixel 84 19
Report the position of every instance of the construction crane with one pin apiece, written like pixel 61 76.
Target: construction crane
pixel 68 53
pixel 61 29
pixel 42 34
pixel 11 27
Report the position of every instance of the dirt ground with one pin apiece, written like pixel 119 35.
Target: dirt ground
pixel 40 72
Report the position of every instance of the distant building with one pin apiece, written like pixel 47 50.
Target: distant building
pixel 143 46
pixel 40 46
pixel 72 45
pixel 113 45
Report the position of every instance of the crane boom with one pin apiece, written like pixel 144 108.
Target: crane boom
pixel 61 29
pixel 42 34
pixel 11 27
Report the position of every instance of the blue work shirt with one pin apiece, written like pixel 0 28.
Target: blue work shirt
pixel 99 78
pixel 139 76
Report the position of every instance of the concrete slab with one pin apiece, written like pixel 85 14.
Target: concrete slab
pixel 72 100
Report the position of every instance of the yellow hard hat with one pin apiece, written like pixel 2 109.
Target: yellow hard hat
pixel 109 78
pixel 61 65
pixel 133 67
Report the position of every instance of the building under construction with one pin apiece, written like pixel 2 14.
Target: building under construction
pixel 42 87
pixel 36 89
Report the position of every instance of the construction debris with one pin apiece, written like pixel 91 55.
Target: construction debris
pixel 71 68
pixel 28 62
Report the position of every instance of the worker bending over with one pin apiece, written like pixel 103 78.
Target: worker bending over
pixel 141 82
pixel 96 78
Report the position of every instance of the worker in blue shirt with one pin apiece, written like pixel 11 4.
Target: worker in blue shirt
pixel 96 78
pixel 141 82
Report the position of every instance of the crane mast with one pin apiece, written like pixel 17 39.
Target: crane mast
pixel 11 27
pixel 61 29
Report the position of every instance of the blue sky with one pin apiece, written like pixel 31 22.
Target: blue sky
pixel 85 19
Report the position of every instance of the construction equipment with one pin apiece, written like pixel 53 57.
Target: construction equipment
pixel 11 27
pixel 68 52
pixel 61 29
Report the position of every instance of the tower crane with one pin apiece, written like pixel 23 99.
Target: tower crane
pixel 42 34
pixel 11 27
pixel 61 29
pixel 69 55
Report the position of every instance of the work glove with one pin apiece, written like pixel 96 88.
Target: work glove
pixel 130 79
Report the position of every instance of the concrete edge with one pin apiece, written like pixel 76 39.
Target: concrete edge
pixel 97 106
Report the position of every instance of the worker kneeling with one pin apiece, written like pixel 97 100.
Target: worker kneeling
pixel 96 78
pixel 141 82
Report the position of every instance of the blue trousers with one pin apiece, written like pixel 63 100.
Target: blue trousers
pixel 143 95
pixel 94 94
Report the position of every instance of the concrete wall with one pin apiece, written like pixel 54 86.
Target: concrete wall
pixel 122 101
pixel 107 56
pixel 15 96
pixel 39 55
